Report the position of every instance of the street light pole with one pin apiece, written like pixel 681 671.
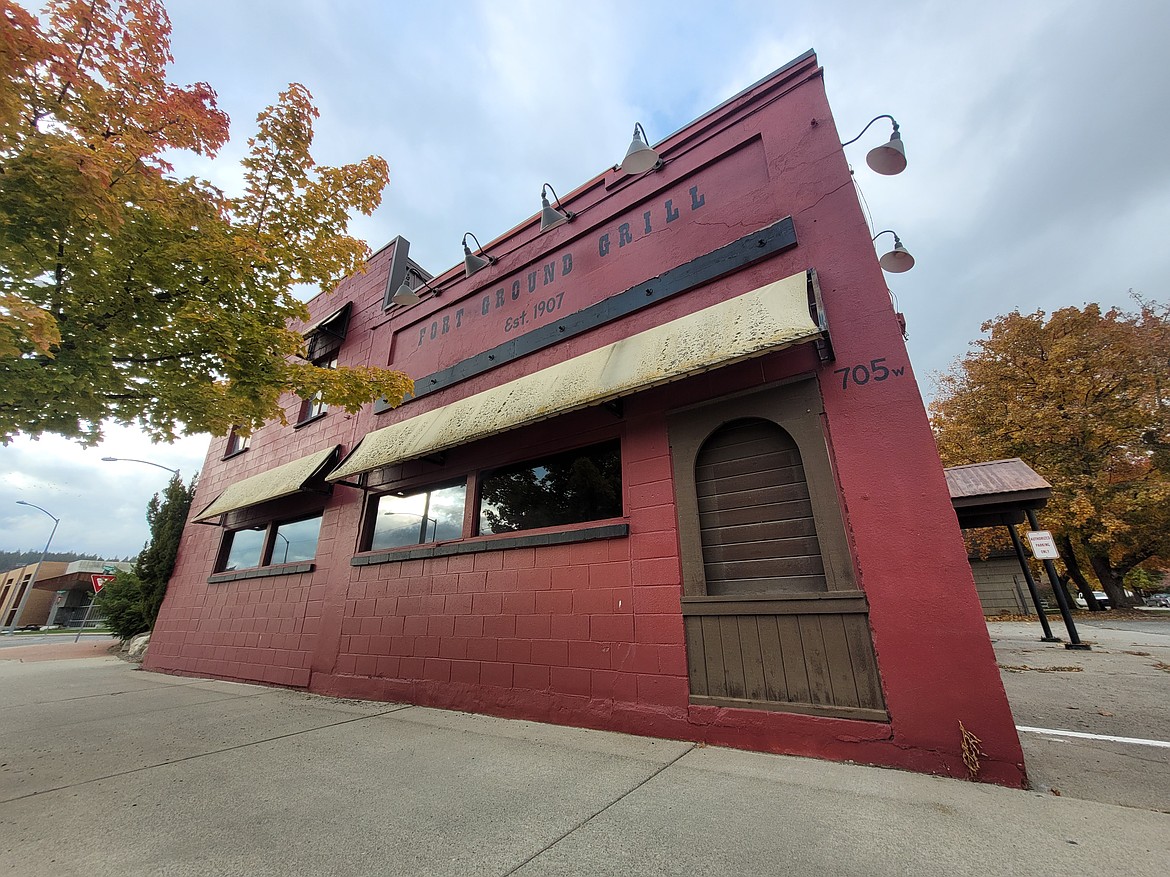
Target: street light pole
pixel 36 571
pixel 132 460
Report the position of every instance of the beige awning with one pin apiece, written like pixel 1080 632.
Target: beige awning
pixel 284 480
pixel 758 322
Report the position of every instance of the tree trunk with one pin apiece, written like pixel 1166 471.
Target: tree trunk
pixel 1111 581
pixel 1069 556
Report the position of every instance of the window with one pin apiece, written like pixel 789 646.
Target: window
pixel 325 337
pixel 244 548
pixel 270 544
pixel 314 407
pixel 429 516
pixel 567 488
pixel 296 541
pixel 236 443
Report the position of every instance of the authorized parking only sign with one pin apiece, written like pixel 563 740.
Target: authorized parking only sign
pixel 1043 545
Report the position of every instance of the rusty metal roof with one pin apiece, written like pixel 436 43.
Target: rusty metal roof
pixel 996 481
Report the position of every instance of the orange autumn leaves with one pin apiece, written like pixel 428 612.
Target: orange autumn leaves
pixel 1082 396
pixel 130 293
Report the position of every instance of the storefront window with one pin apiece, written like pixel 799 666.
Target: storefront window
pixel 270 544
pixel 568 488
pixel 244 548
pixel 296 541
pixel 429 516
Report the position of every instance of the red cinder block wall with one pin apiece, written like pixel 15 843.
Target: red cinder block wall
pixel 591 633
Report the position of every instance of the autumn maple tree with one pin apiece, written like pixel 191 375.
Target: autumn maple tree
pixel 133 294
pixel 1081 395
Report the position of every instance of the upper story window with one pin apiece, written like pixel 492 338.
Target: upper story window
pixel 426 516
pixel 566 488
pixel 324 338
pixel 236 443
pixel 315 406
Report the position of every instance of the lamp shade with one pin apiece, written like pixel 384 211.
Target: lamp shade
pixel 639 157
pixel 472 262
pixel 897 260
pixel 405 296
pixel 889 158
pixel 551 217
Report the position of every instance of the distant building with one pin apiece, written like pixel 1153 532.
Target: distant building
pixel 60 595
pixel 666 470
pixel 13 585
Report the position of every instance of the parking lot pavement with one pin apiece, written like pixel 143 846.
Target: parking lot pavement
pixel 111 770
pixel 1119 689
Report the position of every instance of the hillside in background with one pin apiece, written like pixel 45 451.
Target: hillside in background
pixel 16 559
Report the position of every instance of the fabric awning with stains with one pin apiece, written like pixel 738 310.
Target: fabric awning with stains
pixel 768 318
pixel 284 480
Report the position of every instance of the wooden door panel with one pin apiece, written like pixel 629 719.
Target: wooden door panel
pixel 770 623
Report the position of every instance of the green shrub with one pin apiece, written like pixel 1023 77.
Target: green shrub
pixel 123 603
pixel 131 601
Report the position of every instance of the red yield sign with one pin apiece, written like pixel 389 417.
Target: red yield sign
pixel 99 582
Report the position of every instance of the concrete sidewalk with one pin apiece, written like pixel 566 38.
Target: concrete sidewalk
pixel 110 770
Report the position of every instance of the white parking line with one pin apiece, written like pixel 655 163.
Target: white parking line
pixel 1136 741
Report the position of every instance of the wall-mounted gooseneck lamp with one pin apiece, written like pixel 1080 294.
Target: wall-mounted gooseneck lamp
pixel 472 262
pixel 406 295
pixel 898 259
pixel 551 217
pixel 889 158
pixel 640 157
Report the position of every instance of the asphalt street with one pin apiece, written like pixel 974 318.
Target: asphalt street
pixel 109 770
pixel 1118 689
pixel 42 639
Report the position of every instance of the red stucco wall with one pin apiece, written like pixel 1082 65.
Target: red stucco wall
pixel 591 633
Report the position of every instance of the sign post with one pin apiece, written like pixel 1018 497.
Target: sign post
pixel 98 582
pixel 1074 638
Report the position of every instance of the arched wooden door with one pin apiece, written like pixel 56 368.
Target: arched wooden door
pixel 773 617
pixel 755 514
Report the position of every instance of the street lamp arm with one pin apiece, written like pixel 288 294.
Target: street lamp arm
pixel 36 572
pixel 39 509
pixel 133 460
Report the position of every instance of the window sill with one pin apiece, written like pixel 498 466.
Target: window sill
pixel 495 543
pixel 309 420
pixel 234 454
pixel 260 572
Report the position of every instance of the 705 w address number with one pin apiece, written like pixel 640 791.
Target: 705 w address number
pixel 862 374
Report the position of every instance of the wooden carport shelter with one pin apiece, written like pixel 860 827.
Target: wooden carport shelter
pixel 1003 493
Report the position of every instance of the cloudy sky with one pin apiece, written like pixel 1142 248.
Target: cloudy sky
pixel 1037 133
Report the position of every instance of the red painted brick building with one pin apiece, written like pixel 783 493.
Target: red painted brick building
pixel 666 471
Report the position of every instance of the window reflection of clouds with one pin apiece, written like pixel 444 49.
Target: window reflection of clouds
pixel 297 541
pixel 245 548
pixel 400 519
